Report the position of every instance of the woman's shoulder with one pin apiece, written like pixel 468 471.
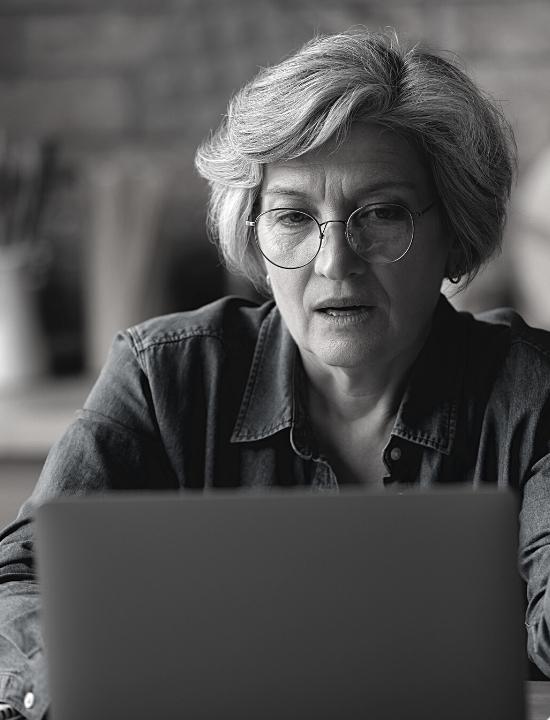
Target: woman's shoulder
pixel 226 318
pixel 509 356
pixel 517 339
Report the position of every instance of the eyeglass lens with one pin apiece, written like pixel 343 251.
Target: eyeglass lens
pixel 378 234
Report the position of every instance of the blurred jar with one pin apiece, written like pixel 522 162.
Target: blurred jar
pixel 23 353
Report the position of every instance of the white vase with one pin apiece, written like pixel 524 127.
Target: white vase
pixel 127 192
pixel 22 345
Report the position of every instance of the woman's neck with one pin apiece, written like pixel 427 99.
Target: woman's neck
pixel 352 420
pixel 350 394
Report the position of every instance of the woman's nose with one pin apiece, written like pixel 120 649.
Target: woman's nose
pixel 336 260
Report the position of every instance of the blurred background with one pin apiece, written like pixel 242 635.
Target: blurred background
pixel 102 104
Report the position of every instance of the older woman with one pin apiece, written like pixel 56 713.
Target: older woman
pixel 347 183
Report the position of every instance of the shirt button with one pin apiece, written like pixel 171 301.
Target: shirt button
pixel 395 453
pixel 28 701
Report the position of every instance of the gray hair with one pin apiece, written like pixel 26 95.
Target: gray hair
pixel 317 93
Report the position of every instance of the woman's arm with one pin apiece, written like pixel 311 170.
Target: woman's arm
pixel 22 662
pixel 534 562
pixel 112 445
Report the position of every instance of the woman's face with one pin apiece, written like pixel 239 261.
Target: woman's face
pixel 393 303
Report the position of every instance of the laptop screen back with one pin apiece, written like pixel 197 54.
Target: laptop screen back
pixel 277 606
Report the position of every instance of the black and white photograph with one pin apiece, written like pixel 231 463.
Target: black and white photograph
pixel 274 359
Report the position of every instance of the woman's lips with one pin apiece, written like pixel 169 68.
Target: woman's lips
pixel 342 302
pixel 345 311
pixel 345 315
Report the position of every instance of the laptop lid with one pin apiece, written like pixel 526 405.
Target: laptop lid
pixel 288 605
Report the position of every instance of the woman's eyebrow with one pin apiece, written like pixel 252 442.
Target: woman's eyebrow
pixel 368 188
pixel 281 190
pixel 386 185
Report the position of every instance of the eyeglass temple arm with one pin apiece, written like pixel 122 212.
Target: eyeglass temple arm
pixel 419 213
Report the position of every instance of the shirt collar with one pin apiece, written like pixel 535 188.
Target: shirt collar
pixel 267 402
pixel 427 414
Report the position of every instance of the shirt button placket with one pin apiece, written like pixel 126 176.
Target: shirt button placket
pixel 393 456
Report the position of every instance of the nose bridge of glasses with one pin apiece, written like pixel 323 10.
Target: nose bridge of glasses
pixel 323 226
pixel 339 249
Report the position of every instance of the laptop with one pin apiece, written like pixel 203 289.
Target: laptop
pixel 283 606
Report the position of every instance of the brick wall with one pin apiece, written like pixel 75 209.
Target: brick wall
pixel 105 72
pixel 153 76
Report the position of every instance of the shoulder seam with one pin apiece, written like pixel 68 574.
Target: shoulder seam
pixel 140 345
pixel 525 341
pixel 94 417
pixel 519 332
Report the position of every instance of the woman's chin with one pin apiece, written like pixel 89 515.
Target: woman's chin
pixel 347 353
pixel 349 341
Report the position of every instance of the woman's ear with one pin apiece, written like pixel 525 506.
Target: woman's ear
pixel 454 268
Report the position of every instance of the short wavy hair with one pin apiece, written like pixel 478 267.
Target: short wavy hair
pixel 315 95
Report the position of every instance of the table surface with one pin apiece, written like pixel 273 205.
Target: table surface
pixel 538 700
pixel 33 416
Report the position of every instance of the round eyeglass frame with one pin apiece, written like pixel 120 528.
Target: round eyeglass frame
pixel 322 229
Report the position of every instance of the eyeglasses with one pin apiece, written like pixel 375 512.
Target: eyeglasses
pixel 378 233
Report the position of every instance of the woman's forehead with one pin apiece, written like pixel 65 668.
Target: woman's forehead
pixel 371 157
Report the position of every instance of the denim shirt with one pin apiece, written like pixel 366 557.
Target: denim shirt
pixel 213 398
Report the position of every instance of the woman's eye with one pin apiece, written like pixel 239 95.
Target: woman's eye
pixel 292 218
pixel 386 212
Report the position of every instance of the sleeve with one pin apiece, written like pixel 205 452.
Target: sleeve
pixel 6 711
pixel 534 562
pixel 113 444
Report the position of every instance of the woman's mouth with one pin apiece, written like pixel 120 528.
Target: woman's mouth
pixel 345 315
pixel 347 311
